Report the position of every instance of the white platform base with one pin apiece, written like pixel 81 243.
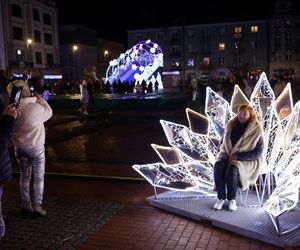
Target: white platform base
pixel 248 220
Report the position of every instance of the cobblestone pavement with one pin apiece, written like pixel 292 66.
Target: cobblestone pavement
pixel 66 226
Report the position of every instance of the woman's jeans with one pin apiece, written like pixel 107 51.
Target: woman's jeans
pixel 32 159
pixel 226 177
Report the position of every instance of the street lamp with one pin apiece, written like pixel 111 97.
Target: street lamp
pixel 28 45
pixel 105 61
pixel 105 53
pixel 75 49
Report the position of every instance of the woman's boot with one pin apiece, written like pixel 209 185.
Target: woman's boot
pixel 38 210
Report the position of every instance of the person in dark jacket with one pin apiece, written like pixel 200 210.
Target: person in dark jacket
pixel 7 124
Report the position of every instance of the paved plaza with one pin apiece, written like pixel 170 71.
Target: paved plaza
pixel 95 200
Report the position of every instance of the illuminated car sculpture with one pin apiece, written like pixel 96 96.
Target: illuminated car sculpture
pixel 187 164
pixel 137 64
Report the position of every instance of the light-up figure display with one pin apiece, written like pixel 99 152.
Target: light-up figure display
pixel 188 162
pixel 140 63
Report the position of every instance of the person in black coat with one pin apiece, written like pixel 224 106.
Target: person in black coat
pixel 7 123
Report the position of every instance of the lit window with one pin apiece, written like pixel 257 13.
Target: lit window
pixel 221 46
pixel 254 29
pixel 237 29
pixel 19 52
pixel 191 62
pixel 206 60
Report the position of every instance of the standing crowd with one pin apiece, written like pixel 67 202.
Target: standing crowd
pixel 196 89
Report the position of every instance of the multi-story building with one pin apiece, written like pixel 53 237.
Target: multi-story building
pixel 208 50
pixel 284 40
pixel 213 50
pixel 29 37
pixel 78 48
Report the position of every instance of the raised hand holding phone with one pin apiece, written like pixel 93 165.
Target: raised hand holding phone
pixel 16 95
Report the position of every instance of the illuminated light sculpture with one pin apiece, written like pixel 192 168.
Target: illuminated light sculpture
pixel 138 64
pixel 188 163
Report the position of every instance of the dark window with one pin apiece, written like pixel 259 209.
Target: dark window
pixel 138 38
pixel 50 59
pixel 47 19
pixel 174 36
pixel 18 33
pixel 38 58
pixel 221 60
pixel 222 31
pixel 37 36
pixel 36 15
pixel 159 36
pixel 48 39
pixel 253 44
pixel 16 10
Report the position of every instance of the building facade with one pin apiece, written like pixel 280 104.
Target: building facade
pixel 284 40
pixel 107 50
pixel 29 33
pixel 78 49
pixel 208 50
pixel 214 50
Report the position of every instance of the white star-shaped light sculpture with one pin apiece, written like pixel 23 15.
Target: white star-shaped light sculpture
pixel 187 164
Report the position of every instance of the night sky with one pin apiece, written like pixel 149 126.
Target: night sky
pixel 112 20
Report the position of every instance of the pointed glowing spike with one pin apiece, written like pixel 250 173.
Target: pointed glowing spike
pixel 197 123
pixel 284 103
pixel 169 155
pixel 238 98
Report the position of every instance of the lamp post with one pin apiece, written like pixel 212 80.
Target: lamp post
pixel 75 66
pixel 105 54
pixel 28 46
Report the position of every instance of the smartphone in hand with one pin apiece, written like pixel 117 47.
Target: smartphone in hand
pixel 16 95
